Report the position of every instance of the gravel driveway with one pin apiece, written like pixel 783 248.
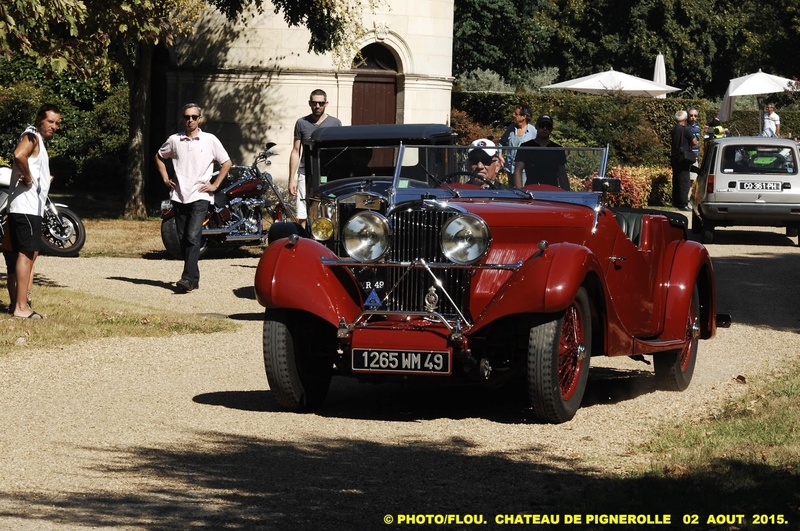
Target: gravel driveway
pixel 181 432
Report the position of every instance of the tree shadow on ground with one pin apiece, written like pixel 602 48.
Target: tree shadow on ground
pixel 414 402
pixel 222 481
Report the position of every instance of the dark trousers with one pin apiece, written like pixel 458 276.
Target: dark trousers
pixel 681 183
pixel 189 218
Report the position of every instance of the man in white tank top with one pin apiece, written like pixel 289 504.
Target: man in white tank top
pixel 30 184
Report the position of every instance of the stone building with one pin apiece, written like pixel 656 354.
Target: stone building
pixel 253 80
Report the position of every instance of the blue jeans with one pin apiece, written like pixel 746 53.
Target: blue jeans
pixel 189 218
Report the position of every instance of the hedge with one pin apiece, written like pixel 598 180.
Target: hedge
pixel 637 131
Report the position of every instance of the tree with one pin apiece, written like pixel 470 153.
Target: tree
pixel 38 27
pixel 504 36
pixel 705 42
pixel 89 34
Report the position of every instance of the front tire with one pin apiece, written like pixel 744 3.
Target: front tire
pixel 674 370
pixel 64 235
pixel 558 362
pixel 299 379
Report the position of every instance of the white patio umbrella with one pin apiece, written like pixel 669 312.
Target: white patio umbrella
pixel 660 73
pixel 613 81
pixel 758 83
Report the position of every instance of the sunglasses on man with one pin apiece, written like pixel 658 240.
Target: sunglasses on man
pixel 481 156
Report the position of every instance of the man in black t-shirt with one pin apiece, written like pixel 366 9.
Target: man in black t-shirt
pixel 541 166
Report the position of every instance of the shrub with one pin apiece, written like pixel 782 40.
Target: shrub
pixel 533 80
pixel 467 129
pixel 635 186
pixel 18 106
pixel 482 81
pixel 661 193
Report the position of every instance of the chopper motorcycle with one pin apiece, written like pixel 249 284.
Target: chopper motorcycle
pixel 63 233
pixel 239 212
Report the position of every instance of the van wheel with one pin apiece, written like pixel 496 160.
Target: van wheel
pixel 697 224
pixel 708 232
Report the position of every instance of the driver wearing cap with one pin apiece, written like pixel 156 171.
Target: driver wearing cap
pixel 484 162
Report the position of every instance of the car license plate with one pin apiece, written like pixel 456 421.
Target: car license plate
pixel 403 362
pixel 752 185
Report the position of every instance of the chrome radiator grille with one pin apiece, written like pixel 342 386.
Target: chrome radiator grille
pixel 416 236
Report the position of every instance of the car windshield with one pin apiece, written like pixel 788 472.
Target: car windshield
pixel 337 163
pixel 468 170
pixel 755 159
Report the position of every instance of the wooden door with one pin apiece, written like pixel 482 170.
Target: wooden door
pixel 374 97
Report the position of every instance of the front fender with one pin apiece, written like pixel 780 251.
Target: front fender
pixel 547 282
pixel 291 275
pixel 691 266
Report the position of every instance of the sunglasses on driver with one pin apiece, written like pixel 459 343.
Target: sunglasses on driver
pixel 478 155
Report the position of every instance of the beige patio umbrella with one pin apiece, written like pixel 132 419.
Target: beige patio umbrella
pixel 612 81
pixel 660 72
pixel 751 84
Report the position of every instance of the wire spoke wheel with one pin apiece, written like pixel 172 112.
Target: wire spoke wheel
pixel 558 361
pixel 674 369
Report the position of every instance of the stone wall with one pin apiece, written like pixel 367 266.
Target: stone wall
pixel 253 80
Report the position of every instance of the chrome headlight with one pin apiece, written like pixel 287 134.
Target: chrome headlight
pixel 465 239
pixel 366 236
pixel 322 229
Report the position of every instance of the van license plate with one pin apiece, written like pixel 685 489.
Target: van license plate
pixel 752 185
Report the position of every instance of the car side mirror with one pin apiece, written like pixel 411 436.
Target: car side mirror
pixel 606 184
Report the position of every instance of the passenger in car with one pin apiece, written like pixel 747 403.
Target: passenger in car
pixel 547 166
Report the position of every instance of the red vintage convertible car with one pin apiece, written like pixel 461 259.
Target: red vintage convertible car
pixel 441 275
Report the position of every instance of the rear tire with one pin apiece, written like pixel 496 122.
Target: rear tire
pixel 558 362
pixel 299 379
pixel 169 237
pixel 674 370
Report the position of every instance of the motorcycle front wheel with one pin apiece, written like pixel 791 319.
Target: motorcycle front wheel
pixel 169 237
pixel 62 234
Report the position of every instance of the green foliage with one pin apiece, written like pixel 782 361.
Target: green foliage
pixel 533 80
pixel 482 81
pixel 497 35
pixel 705 43
pixel 637 130
pixel 40 27
pixel 84 92
pixel 90 146
pixel 18 106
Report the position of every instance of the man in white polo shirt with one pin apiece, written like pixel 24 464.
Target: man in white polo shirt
pixel 193 154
